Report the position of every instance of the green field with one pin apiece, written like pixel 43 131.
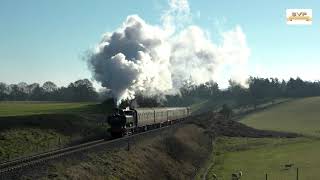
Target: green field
pixel 30 127
pixel 18 108
pixel 301 116
pixel 256 157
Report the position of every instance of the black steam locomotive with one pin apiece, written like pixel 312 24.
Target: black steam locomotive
pixel 129 121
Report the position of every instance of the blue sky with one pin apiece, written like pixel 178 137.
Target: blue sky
pixel 46 40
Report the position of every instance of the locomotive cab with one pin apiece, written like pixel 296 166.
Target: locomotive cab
pixel 130 116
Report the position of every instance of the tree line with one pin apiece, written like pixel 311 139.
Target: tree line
pixel 256 91
pixel 80 90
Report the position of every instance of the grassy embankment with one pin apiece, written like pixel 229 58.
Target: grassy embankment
pixel 255 157
pixel 169 154
pixel 31 127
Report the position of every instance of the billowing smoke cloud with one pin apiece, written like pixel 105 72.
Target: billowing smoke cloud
pixel 157 59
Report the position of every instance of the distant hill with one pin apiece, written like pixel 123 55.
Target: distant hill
pixel 300 116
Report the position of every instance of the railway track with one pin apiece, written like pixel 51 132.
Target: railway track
pixel 18 164
pixel 10 164
pixel 10 167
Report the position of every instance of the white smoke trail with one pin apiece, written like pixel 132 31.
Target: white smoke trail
pixel 157 59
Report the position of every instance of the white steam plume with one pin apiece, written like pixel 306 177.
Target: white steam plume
pixel 157 59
